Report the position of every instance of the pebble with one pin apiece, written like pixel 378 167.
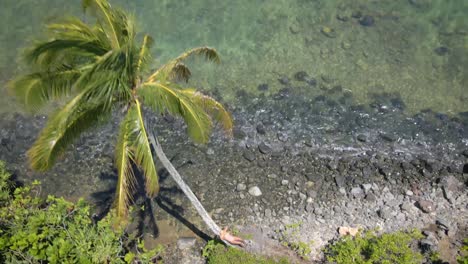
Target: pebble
pixel 249 155
pixel 362 138
pixel 241 187
pixel 261 129
pixel 255 191
pixel 284 182
pixel 367 187
pixel 329 32
pixel 264 148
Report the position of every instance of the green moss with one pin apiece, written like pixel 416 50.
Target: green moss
pixel 390 248
pixel 217 253
pixel 463 259
pixel 53 230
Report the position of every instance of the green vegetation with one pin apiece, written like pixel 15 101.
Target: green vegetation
pixel 53 230
pixel 99 68
pixel 289 238
pixel 390 248
pixel 463 259
pixel 217 253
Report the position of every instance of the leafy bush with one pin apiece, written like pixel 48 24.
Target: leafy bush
pixel 370 248
pixel 53 230
pixel 217 253
pixel 289 237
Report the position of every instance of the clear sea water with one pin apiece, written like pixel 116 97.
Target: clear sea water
pixel 415 49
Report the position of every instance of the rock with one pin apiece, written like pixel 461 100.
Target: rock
pixel 425 206
pixel 329 32
pixel 450 183
pixel 361 138
pixel 409 193
pixel 261 129
pixel 367 187
pixel 407 207
pixel 302 196
pixel 301 76
pixel 340 181
pixel 249 155
pixel 255 191
pixel 312 82
pixel 385 213
pixel 284 182
pixel 465 153
pixel 342 190
pixel 264 148
pixel 262 87
pixel 356 14
pixel 284 80
pixel 268 213
pixel 441 51
pixel 309 200
pixel 283 137
pixel 388 137
pixel 272 176
pixel 367 21
pixel 344 231
pixel 186 242
pixel 356 191
pixel 442 224
pixel 241 187
pixel 370 197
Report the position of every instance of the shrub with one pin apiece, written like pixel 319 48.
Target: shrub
pixel 217 253
pixel 390 248
pixel 53 230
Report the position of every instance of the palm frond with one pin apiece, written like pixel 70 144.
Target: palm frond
pixel 162 97
pixel 115 23
pixel 212 107
pixel 62 129
pixel 142 150
pixel 169 71
pixel 144 55
pixel 126 178
pixel 35 89
pixel 47 53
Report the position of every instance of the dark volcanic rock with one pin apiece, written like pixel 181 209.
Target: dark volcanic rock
pixel 262 87
pixel 264 148
pixel 367 21
pixel 249 155
pixel 301 76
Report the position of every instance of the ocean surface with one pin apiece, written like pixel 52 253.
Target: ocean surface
pixel 415 50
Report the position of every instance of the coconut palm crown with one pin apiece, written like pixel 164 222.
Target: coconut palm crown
pixel 100 67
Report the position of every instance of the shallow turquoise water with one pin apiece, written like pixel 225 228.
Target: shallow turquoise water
pixel 261 41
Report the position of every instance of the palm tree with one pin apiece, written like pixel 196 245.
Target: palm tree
pixel 99 68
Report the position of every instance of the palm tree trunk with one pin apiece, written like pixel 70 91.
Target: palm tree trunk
pixel 185 188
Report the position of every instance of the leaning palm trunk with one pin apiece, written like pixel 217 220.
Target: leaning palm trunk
pixel 185 188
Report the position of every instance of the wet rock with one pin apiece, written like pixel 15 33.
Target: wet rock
pixel 261 129
pixel 312 82
pixel 441 51
pixel 329 32
pixel 249 155
pixel 262 87
pixel 241 187
pixel 465 153
pixel 255 191
pixel 356 14
pixel 284 80
pixel 264 148
pixel 301 76
pixel 362 138
pixel 426 206
pixel 388 137
pixel 283 137
pixel 367 21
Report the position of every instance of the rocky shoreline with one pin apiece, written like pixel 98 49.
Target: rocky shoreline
pixel 325 162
